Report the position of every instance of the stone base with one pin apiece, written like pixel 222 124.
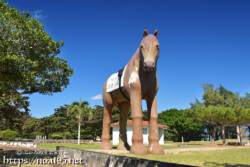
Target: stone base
pixel 97 159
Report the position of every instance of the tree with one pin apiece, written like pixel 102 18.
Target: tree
pixel 60 123
pixel 30 128
pixel 241 117
pixel 245 101
pixel 80 110
pixel 96 122
pixel 180 126
pixel 11 116
pixel 217 116
pixel 216 97
pixel 29 61
pixel 65 119
pixel 220 107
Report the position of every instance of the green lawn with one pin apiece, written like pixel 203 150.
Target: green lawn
pixel 95 146
pixel 222 158
pixel 169 145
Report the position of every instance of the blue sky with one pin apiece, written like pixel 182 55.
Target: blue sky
pixel 201 41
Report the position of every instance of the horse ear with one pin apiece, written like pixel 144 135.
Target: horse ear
pixel 145 32
pixel 156 33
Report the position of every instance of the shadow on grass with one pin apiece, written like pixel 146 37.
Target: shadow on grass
pixel 224 164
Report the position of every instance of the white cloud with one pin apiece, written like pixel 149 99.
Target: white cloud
pixel 97 97
pixel 38 14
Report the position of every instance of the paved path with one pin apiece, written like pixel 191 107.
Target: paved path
pixel 202 149
pixel 180 149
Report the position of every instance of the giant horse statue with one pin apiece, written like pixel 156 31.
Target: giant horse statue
pixel 136 81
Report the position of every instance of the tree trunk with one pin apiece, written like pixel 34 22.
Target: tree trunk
pixel 79 129
pixel 223 134
pixel 240 134
pixel 209 134
pixel 228 132
pixel 214 133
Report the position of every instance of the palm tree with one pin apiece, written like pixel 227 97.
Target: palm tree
pixel 78 109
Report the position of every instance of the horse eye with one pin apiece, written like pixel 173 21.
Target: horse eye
pixel 141 46
pixel 157 46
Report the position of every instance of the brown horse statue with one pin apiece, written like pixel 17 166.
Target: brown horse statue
pixel 138 81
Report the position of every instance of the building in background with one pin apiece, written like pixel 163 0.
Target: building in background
pixel 145 130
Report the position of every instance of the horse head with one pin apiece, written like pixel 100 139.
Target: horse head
pixel 149 51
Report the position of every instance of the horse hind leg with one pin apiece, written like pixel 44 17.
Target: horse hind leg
pixel 108 106
pixel 124 110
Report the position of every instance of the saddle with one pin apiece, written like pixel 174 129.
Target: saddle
pixel 120 73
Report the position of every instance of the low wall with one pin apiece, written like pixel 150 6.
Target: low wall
pixel 19 143
pixel 62 141
pixel 238 143
pixel 97 159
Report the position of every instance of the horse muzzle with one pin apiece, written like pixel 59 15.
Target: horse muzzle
pixel 148 66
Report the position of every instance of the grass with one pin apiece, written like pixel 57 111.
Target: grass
pixel 96 146
pixel 227 158
pixel 222 158
pixel 168 144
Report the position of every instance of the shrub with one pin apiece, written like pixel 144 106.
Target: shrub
pixel 57 136
pixel 8 134
pixel 67 135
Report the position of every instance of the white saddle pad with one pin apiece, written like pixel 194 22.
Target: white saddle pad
pixel 113 81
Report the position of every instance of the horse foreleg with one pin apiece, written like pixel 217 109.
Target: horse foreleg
pixel 124 110
pixel 153 137
pixel 137 138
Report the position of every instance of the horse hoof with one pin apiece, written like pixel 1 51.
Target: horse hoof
pixel 138 149
pixel 106 146
pixel 155 149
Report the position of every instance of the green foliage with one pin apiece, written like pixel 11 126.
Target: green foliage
pixel 59 122
pixel 30 128
pixel 11 117
pixel 221 107
pixel 245 101
pixel 28 56
pixel 115 114
pixel 57 136
pixel 29 62
pixel 80 110
pixel 216 97
pixel 67 135
pixel 8 134
pixel 96 122
pixel 65 121
pixel 180 126
pixel 241 116
pixel 212 114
